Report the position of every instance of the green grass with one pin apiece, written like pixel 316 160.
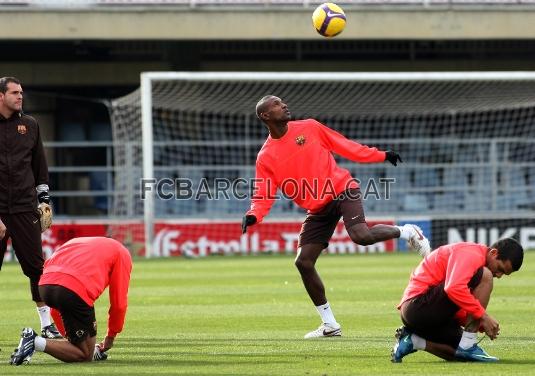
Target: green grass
pixel 247 316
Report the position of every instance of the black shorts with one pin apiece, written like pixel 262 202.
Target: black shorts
pixel 78 317
pixel 318 227
pixel 432 315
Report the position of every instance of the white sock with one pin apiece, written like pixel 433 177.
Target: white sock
pixel 468 340
pixel 404 232
pixel 418 343
pixel 44 316
pixel 39 343
pixel 326 314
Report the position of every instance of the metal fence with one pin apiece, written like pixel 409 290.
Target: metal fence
pixel 81 188
pixel 439 176
pixel 473 176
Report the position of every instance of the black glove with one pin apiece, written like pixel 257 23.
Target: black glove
pixel 43 197
pixel 247 220
pixel 393 157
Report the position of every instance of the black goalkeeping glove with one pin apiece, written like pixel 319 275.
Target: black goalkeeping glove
pixel 247 220
pixel 43 197
pixel 393 157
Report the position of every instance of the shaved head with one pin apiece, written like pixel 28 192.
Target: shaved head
pixel 274 113
pixel 261 106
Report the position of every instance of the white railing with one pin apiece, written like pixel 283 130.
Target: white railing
pixel 70 181
pixel 479 180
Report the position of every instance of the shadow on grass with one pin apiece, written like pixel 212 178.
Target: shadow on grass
pixel 167 362
pixel 436 361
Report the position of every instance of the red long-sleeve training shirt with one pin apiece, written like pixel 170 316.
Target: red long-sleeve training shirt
pixel 301 164
pixel 87 266
pixel 453 264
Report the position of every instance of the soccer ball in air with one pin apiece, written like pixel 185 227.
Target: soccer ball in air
pixel 329 19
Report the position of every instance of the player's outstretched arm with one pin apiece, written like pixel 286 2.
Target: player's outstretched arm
pixel 392 157
pixel 346 148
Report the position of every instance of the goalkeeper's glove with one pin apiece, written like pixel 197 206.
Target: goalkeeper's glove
pixel 393 157
pixel 247 220
pixel 45 210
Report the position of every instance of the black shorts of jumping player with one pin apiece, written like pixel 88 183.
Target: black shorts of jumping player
pixel 318 227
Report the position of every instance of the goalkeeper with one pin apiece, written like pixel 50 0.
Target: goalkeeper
pixel 23 183
pixel 297 158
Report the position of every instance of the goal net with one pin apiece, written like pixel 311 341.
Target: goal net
pixel 187 145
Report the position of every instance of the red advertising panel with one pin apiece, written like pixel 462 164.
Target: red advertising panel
pixel 180 238
pixel 223 238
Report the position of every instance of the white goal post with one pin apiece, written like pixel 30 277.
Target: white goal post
pixel 382 109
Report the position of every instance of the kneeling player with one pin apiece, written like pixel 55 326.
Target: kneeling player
pixel 73 278
pixel 444 305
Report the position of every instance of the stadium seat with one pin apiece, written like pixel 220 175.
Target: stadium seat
pixel 479 179
pixel 425 177
pixel 402 176
pixel 416 203
pixel 517 183
pixel 371 206
pixel 448 201
pixel 454 177
pixel 100 132
pixel 72 132
pixel 98 181
pixel 474 202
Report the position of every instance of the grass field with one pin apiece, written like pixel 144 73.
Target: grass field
pixel 247 316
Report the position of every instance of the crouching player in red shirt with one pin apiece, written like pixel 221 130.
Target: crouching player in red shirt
pixel 73 278
pixel 445 303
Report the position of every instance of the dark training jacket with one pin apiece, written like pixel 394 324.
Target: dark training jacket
pixel 22 163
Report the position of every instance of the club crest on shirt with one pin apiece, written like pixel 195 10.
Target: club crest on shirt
pixel 300 140
pixel 21 128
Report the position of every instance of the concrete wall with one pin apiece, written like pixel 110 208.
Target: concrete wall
pixel 80 73
pixel 287 23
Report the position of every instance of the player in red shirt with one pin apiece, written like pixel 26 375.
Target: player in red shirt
pixel 73 278
pixel 297 158
pixel 445 303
